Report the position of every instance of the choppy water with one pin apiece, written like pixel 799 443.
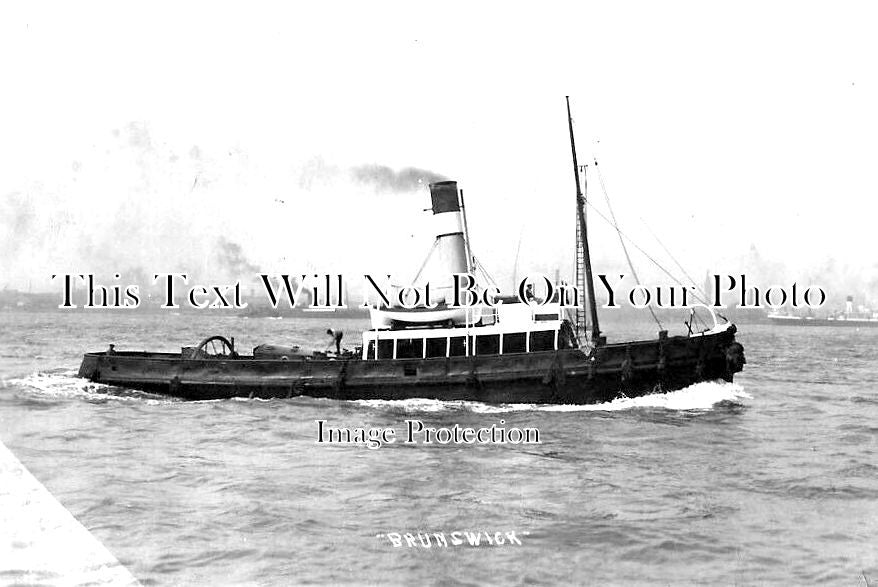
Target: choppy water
pixel 773 479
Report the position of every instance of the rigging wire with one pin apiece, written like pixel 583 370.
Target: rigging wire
pixel 679 266
pixel 636 246
pixel 615 225
pixel 695 289
pixel 517 255
pixel 426 260
pixel 488 277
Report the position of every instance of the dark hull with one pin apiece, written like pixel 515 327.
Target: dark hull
pixel 564 376
pixel 848 323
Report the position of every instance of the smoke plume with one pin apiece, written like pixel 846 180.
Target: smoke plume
pixel 383 178
pixel 233 260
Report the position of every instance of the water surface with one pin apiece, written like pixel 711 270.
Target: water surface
pixel 772 479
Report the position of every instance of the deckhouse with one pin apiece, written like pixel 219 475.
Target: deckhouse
pixel 507 328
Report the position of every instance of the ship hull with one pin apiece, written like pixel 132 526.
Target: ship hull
pixel 553 377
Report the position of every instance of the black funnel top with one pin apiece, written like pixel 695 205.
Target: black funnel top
pixel 444 196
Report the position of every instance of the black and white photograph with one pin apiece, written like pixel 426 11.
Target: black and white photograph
pixel 359 293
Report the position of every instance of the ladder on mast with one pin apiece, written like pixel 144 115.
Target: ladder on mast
pixel 579 283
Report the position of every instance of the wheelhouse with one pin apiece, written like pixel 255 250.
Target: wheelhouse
pixel 512 328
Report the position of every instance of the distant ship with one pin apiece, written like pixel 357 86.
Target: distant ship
pixel 848 318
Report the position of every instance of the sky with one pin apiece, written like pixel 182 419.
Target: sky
pixel 220 138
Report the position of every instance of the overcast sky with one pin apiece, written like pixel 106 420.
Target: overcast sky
pixel 135 136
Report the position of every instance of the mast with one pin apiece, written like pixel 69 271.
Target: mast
pixel 469 251
pixel 583 232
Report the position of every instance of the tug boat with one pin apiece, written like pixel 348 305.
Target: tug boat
pixel 523 350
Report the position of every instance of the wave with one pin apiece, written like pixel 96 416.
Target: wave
pixel 64 384
pixel 699 396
